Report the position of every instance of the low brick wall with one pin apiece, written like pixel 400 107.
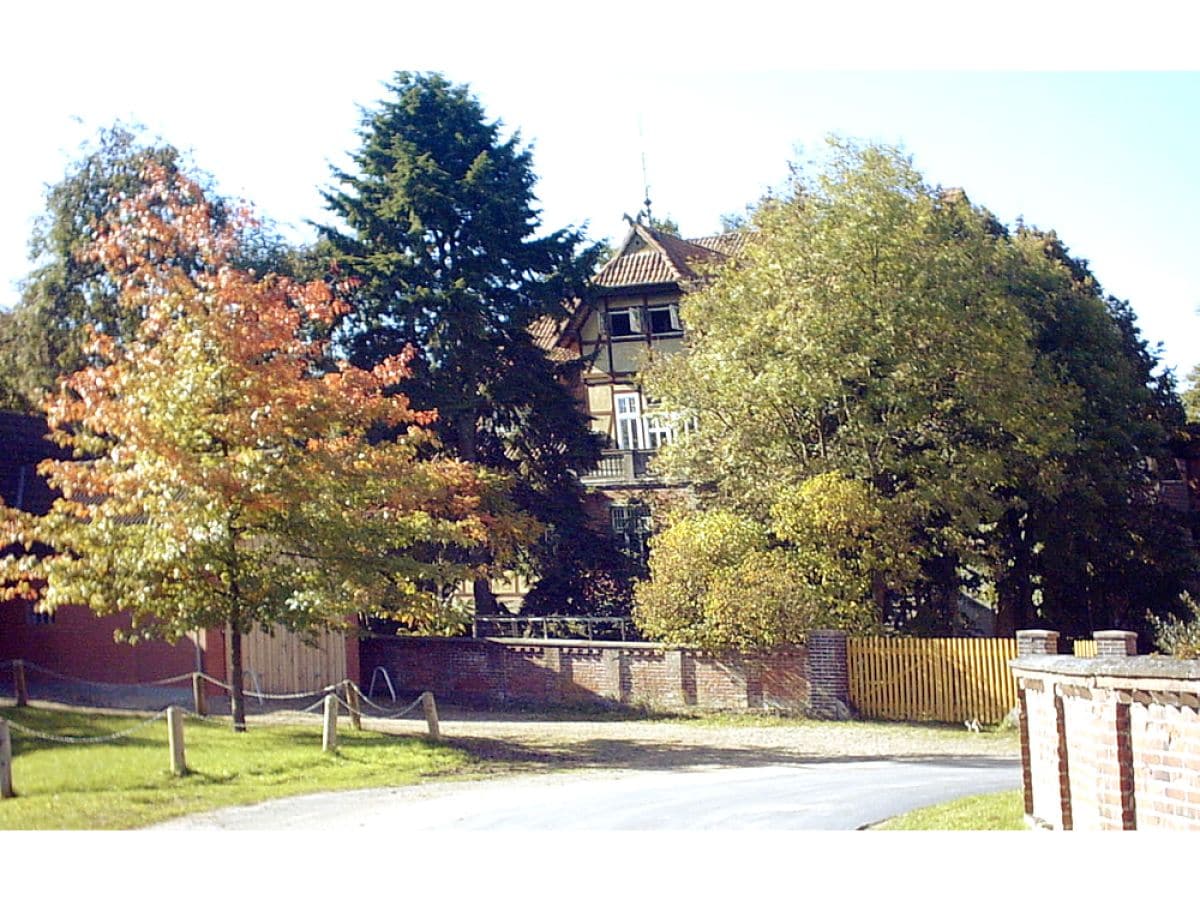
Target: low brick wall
pixel 1110 743
pixel 498 671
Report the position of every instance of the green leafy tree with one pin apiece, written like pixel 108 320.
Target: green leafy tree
pixel 864 332
pixel 1099 550
pixel 224 476
pixel 722 580
pixel 1191 395
pixel 441 234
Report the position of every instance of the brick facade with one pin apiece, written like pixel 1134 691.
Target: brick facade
pixel 499 671
pixel 1111 743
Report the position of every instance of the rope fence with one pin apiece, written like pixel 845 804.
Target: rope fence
pixel 344 695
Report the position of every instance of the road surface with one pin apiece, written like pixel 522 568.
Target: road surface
pixel 835 795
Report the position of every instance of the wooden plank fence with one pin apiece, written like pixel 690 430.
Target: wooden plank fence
pixel 932 679
pixel 935 679
pixel 284 663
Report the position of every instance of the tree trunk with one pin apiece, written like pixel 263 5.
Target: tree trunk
pixel 237 695
pixel 484 600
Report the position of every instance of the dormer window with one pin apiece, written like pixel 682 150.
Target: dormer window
pixel 664 319
pixel 653 320
pixel 624 322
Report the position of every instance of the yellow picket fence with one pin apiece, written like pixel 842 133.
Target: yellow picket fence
pixel 932 679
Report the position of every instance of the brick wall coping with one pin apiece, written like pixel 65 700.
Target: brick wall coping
pixel 564 642
pixel 1130 667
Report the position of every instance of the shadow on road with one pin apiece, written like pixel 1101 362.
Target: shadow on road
pixel 649 756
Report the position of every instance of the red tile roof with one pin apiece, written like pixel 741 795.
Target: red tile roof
pixel 646 258
pixel 650 257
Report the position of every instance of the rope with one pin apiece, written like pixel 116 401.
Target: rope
pixel 97 739
pixel 391 715
pixel 225 686
pixel 36 668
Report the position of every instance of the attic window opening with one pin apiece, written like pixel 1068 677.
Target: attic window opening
pixel 664 319
pixel 624 322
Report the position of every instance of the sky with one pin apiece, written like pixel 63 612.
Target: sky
pixel 1073 119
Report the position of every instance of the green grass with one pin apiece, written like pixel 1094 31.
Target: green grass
pixel 129 784
pixel 984 812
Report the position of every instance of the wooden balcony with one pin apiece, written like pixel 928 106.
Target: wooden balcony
pixel 621 467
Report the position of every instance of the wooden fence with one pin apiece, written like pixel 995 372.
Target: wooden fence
pixel 283 663
pixel 935 679
pixel 932 679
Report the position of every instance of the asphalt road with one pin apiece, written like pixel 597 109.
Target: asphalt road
pixel 833 796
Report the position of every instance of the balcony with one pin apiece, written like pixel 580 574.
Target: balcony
pixel 621 467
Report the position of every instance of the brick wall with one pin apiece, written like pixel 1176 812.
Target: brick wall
pixel 1110 743
pixel 499 671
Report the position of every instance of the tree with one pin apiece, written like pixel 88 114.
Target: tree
pixel 1191 395
pixel 441 235
pixel 722 580
pixel 864 334
pixel 1098 551
pixel 223 475
pixel 68 292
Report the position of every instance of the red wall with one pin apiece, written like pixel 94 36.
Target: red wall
pixel 80 644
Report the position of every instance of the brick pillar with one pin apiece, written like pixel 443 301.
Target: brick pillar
pixel 1064 762
pixel 1035 641
pixel 552 661
pixel 1110 644
pixel 613 683
pixel 828 674
pixel 1124 738
pixel 1026 753
pixel 673 660
pixel 752 666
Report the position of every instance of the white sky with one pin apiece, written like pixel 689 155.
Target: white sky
pixel 718 97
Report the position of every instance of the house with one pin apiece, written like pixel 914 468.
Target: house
pixel 634 316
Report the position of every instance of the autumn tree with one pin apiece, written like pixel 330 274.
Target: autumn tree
pixel 864 334
pixel 223 476
pixel 440 229
pixel 68 291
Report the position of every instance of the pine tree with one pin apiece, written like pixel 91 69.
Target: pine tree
pixel 441 234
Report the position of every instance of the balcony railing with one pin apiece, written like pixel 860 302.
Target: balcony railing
pixel 621 467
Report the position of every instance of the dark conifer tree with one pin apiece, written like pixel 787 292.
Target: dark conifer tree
pixel 442 236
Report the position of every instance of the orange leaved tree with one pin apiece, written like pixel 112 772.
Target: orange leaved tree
pixel 223 474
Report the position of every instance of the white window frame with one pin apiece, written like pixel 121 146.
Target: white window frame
pixel 627 420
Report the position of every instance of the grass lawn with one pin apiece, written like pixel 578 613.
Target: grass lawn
pixel 128 784
pixel 984 812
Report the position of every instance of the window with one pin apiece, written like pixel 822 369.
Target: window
pixel 631 528
pixel 660 430
pixel 33 617
pixel 664 319
pixel 625 322
pixel 628 410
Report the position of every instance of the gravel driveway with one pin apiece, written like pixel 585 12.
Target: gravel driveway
pixel 516 743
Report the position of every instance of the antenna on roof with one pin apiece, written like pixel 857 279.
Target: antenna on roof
pixel 645 182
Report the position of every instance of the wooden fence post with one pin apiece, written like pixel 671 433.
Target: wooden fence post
pixel 329 732
pixel 6 788
pixel 175 740
pixel 352 702
pixel 198 697
pixel 431 716
pixel 19 681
